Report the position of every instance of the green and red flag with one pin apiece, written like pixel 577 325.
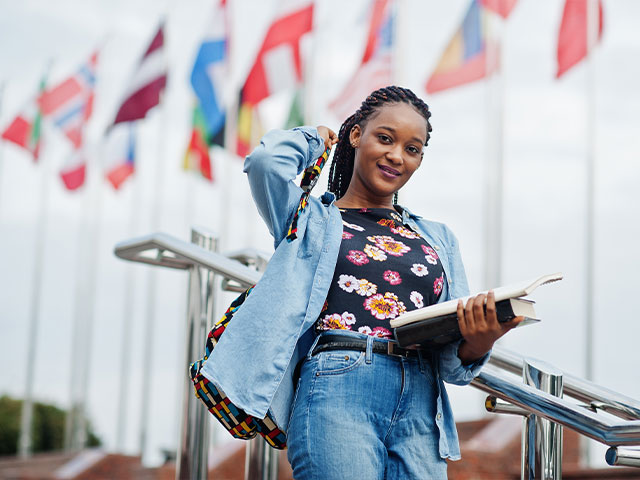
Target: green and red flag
pixel 25 129
pixel 197 156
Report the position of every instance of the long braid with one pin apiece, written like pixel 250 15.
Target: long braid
pixel 343 157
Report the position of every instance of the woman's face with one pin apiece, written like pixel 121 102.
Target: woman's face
pixel 388 151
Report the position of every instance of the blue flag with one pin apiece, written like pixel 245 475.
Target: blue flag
pixel 209 71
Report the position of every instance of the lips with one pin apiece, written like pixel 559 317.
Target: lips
pixel 388 171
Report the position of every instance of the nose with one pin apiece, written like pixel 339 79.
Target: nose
pixel 394 155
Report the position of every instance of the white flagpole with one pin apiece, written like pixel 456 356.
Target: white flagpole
pixel 3 86
pixel 148 331
pixel 230 136
pixel 592 38
pixel 398 75
pixel 26 420
pixel 127 318
pixel 495 162
pixel 72 421
pixel 93 241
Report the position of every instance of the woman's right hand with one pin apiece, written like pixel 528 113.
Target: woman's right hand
pixel 329 136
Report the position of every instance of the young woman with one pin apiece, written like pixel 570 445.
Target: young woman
pixel 311 348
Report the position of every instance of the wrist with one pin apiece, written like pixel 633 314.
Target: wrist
pixel 468 354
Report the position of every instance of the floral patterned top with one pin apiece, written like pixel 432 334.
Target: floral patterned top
pixel 384 269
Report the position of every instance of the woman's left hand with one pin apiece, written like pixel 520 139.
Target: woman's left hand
pixel 480 330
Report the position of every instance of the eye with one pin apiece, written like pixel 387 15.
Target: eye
pixel 384 138
pixel 413 150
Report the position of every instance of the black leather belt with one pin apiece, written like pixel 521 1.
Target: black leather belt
pixel 349 342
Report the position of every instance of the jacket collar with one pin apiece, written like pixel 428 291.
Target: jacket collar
pixel 406 213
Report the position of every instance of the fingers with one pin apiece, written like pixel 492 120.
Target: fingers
pixel 478 310
pixel 329 136
pixel 514 322
pixel 461 318
pixel 333 137
pixel 491 313
pixel 468 314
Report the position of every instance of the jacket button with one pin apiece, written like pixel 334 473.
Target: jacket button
pixel 437 247
pixel 439 416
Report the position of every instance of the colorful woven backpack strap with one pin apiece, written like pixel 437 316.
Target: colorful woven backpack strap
pixel 309 180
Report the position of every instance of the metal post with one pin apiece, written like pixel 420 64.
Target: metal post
pixel 261 461
pixel 541 439
pixel 191 461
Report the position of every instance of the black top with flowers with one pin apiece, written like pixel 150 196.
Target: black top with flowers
pixel 384 269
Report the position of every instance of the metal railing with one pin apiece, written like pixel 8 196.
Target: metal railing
pixel 543 398
pixel 558 399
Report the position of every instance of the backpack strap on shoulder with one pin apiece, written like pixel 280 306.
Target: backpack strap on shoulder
pixel 309 180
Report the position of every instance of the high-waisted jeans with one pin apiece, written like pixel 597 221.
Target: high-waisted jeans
pixel 363 415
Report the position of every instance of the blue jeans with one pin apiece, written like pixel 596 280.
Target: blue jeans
pixel 362 415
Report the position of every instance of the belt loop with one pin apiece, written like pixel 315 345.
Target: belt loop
pixel 369 351
pixel 313 345
pixel 422 361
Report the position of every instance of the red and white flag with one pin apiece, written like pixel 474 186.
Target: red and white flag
pixel 572 38
pixel 69 104
pixel 278 65
pixel 74 170
pixel 376 68
pixel 147 83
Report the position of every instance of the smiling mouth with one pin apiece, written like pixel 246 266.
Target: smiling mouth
pixel 388 171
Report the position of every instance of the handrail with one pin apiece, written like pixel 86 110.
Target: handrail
pixel 595 396
pixel 559 410
pixel 168 251
pixel 165 250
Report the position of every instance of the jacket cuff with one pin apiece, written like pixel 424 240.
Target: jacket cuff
pixel 452 369
pixel 316 143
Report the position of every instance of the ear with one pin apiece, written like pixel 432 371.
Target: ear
pixel 354 136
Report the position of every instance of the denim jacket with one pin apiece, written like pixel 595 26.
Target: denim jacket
pixel 254 361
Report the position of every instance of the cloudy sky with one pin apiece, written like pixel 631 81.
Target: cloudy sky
pixel 545 151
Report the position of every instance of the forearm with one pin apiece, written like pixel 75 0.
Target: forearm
pixel 468 354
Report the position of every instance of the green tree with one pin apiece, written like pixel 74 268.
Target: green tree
pixel 48 427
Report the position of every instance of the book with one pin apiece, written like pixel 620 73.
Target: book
pixel 437 325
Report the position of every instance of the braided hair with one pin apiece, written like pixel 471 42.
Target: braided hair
pixel 344 155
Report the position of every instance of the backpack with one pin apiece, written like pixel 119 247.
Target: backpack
pixel 235 420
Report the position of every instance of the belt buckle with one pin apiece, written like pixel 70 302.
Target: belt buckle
pixel 391 346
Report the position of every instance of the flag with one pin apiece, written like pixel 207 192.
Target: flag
pixel 120 153
pixel 465 58
pixel 70 103
pixel 572 38
pixel 197 156
pixel 74 170
pixel 147 82
pixel 501 7
pixel 278 64
pixel 209 75
pixel 376 68
pixel 25 129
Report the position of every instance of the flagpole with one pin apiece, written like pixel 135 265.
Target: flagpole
pixel 232 104
pixel 93 240
pixel 494 172
pixel 592 38
pixel 127 317
pixel 25 442
pixel 148 331
pixel 26 419
pixel 398 74
pixel 72 420
pixel 3 86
